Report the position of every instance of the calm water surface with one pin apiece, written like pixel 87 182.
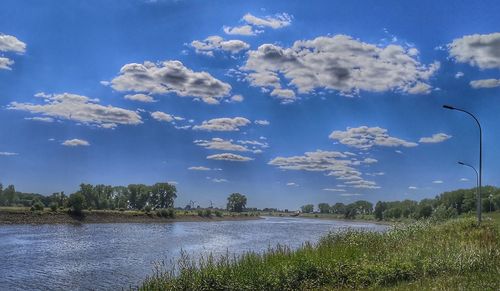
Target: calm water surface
pixel 115 256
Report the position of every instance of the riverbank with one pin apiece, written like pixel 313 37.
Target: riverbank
pixel 15 215
pixel 407 257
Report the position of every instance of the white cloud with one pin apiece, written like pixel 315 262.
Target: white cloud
pixel 464 180
pixel 398 152
pixel 202 168
pixel 216 180
pixel 336 164
pixel 292 184
pixel 170 77
pixel 9 43
pixel 480 50
pixel 376 174
pixel 223 124
pixel 340 63
pixel 370 160
pixel 486 83
pixel 42 119
pixel 262 122
pixel 277 21
pixel 229 157
pixel 75 142
pixel 364 138
pixel 435 138
pixel 173 182
pixel 334 190
pixel 241 30
pixel 6 64
pixel 140 97
pixel 437 182
pixel 80 109
pixel 459 75
pixel 412 188
pixel 285 96
pixel 162 116
pixel 237 98
pixel 217 43
pixel 8 154
pixel 221 144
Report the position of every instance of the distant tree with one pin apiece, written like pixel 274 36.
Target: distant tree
pixel 236 202
pixel 338 208
pixel 76 202
pixel 424 211
pixel 380 207
pixel 9 195
pixel 324 208
pixel 308 208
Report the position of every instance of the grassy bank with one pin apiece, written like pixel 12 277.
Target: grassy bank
pixel 450 255
pixel 23 215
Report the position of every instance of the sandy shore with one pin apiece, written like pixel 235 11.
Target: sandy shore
pixel 46 217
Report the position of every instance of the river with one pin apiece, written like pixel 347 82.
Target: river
pixel 115 256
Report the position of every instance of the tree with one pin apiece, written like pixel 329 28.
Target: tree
pixel 338 208
pixel 236 202
pixel 76 202
pixel 10 196
pixel 324 208
pixel 380 207
pixel 308 208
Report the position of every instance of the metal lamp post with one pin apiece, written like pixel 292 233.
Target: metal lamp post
pixel 480 174
pixel 477 183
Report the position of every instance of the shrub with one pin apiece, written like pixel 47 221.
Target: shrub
pixel 76 202
pixel 53 206
pixel 147 208
pixel 218 213
pixel 37 206
pixel 207 213
pixel 200 213
pixel 171 213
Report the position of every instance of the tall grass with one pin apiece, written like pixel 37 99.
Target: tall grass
pixel 352 259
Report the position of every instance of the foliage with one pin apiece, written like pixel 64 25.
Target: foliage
pixel 347 260
pixel 37 206
pixel 308 208
pixel 76 202
pixel 324 208
pixel 236 202
pixel 218 213
pixel 53 206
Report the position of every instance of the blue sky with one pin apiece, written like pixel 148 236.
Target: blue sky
pixel 288 103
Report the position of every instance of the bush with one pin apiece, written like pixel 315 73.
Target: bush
pixel 200 213
pixel 171 212
pixel 166 213
pixel 147 208
pixel 207 213
pixel 53 206
pixel 218 213
pixel 76 202
pixel 37 206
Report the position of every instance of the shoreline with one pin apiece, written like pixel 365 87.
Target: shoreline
pixel 17 217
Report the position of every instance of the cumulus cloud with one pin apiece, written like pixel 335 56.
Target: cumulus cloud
pixel 217 43
pixel 277 21
pixel 285 96
pixel 435 138
pixel 340 63
pixel 8 154
pixel 223 124
pixel 412 188
pixel 459 75
pixel 75 142
pixel 485 83
pixel 480 50
pixel 464 180
pixel 221 144
pixel 6 64
pixel 292 184
pixel 79 108
pixel 140 97
pixel 437 182
pixel 364 138
pixel 336 164
pixel 162 116
pixel 9 43
pixel 229 157
pixel 241 30
pixel 170 77
pixel 236 98
pixel 262 122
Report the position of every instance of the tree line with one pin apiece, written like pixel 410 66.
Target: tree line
pixel 133 196
pixel 445 205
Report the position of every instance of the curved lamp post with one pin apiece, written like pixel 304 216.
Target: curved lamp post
pixel 477 186
pixel 480 174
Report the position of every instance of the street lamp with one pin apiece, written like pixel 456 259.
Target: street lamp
pixel 477 183
pixel 480 174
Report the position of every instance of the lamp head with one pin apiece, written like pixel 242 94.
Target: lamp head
pixel 448 107
pixel 461 163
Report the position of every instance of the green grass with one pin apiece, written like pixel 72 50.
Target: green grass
pixel 422 255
